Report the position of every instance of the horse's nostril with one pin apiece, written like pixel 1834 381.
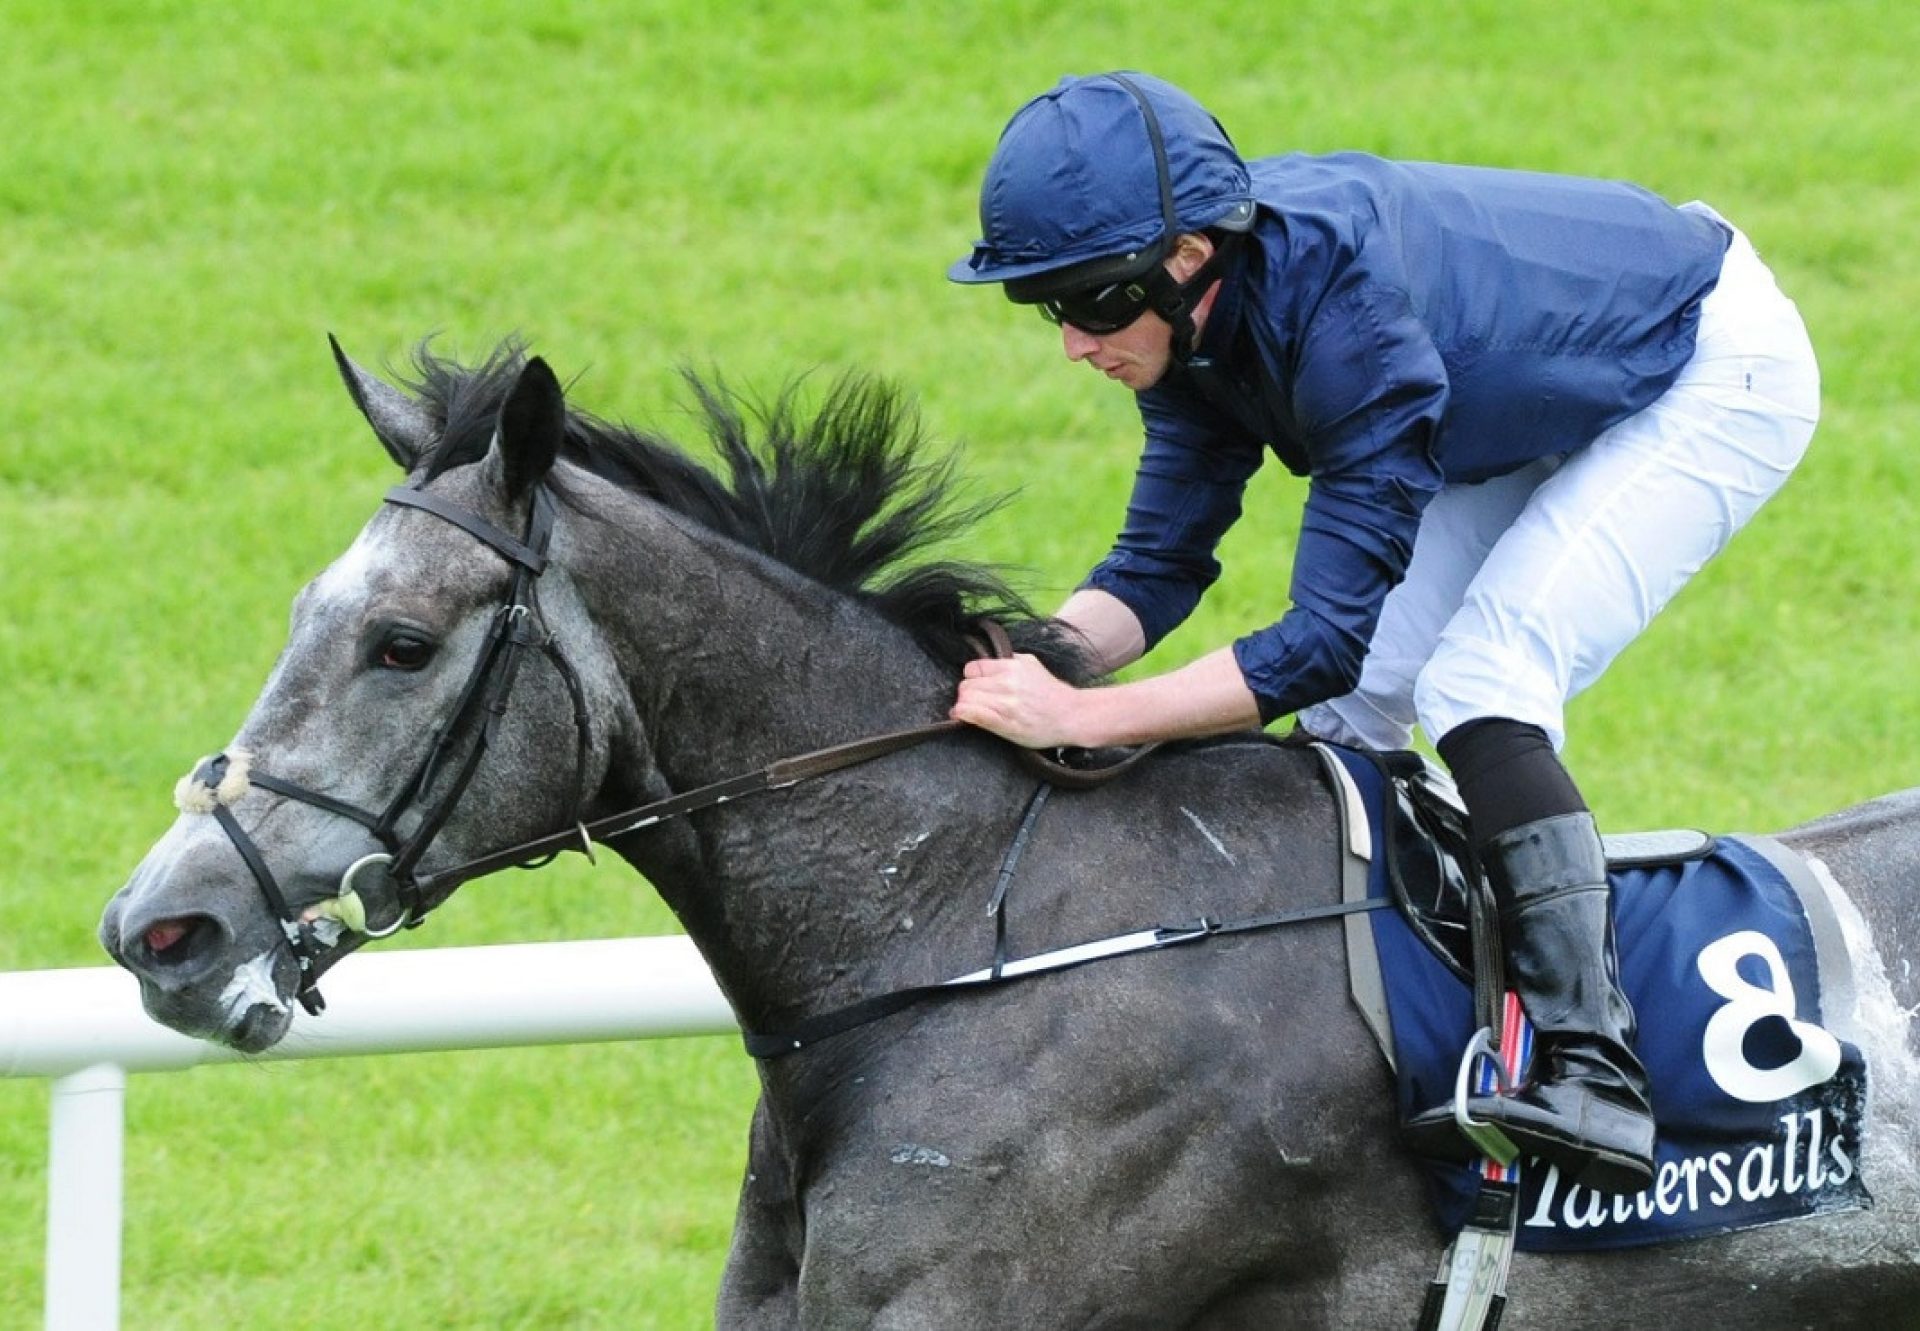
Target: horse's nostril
pixel 181 941
pixel 165 934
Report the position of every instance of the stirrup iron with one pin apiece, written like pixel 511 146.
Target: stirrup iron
pixel 1491 1141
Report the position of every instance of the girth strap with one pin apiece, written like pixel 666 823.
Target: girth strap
pixel 773 1044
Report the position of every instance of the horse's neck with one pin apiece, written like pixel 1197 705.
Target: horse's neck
pixel 734 661
pixel 802 897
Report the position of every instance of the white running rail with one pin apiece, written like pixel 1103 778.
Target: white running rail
pixel 85 1029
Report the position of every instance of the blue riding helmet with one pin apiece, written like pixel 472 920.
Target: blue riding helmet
pixel 1092 180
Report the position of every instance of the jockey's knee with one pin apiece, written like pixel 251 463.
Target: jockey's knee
pixel 1472 680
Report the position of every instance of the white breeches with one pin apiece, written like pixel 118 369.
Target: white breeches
pixel 1523 589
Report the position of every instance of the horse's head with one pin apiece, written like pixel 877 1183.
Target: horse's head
pixel 435 701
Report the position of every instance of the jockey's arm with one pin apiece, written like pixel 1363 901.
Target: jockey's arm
pixel 1020 701
pixel 1112 631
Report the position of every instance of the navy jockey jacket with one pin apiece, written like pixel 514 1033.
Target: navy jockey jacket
pixel 1389 328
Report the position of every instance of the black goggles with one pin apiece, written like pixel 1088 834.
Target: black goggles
pixel 1102 309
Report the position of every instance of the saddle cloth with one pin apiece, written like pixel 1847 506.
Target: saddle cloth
pixel 1730 960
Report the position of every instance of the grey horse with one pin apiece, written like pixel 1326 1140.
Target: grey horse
pixel 1199 1137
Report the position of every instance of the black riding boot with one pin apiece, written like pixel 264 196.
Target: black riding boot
pixel 1585 1108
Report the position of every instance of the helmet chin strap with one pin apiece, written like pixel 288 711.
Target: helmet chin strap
pixel 1176 301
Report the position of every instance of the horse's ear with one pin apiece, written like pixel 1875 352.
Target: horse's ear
pixel 533 421
pixel 402 426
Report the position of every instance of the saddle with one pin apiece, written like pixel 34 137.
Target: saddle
pixel 1434 877
pixel 1730 949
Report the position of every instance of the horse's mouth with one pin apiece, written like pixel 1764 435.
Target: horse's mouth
pixel 248 1026
pixel 255 1013
pixel 259 1028
pixel 250 1014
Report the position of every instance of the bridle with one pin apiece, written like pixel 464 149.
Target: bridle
pixel 517 627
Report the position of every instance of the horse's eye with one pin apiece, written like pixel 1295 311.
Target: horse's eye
pixel 405 651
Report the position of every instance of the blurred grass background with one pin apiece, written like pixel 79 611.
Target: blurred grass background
pixel 193 194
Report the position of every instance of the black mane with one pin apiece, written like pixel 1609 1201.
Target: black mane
pixel 848 494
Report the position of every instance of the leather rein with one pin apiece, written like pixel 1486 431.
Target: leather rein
pixel 518 627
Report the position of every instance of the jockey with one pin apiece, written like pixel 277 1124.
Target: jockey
pixel 1528 408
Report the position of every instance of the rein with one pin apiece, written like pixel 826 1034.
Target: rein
pixel 774 776
pixel 518 626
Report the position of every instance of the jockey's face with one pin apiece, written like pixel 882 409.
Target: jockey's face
pixel 1139 354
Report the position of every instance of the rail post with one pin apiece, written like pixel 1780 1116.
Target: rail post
pixel 84 1198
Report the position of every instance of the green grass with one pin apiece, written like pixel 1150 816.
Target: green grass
pixel 193 194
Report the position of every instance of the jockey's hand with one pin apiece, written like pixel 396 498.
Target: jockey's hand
pixel 1018 699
